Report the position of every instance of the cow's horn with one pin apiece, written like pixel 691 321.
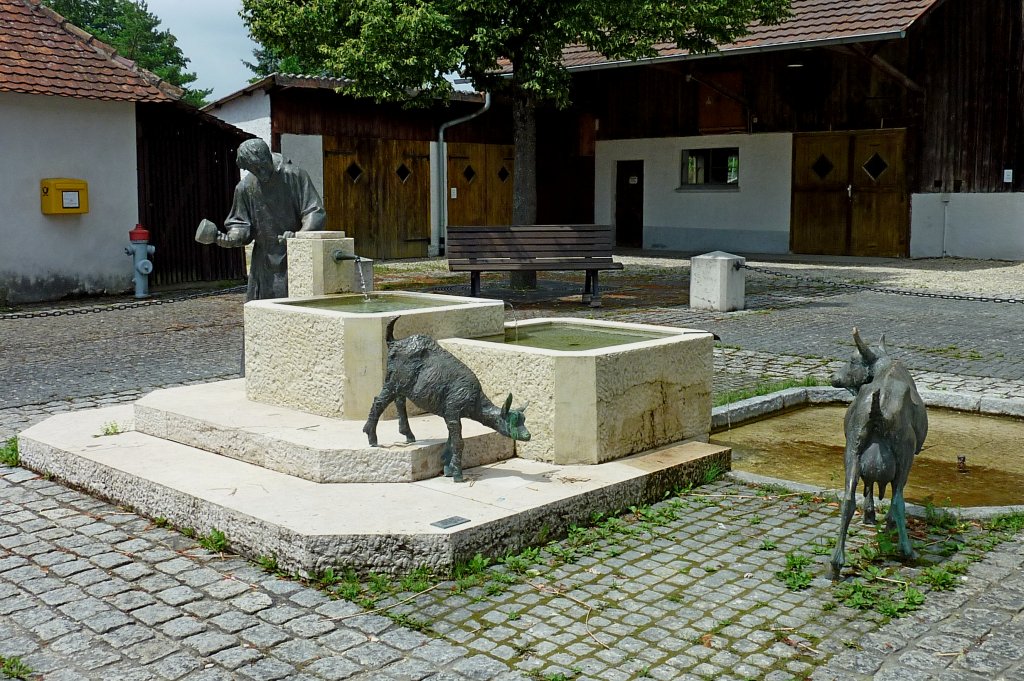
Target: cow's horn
pixel 865 351
pixel 507 405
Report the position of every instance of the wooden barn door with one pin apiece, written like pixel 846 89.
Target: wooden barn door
pixel 849 194
pixel 479 184
pixel 880 219
pixel 378 192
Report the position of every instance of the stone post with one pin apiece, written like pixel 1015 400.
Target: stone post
pixel 717 282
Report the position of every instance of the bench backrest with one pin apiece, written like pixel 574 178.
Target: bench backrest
pixel 522 242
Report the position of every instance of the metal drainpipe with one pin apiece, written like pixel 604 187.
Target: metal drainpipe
pixel 442 185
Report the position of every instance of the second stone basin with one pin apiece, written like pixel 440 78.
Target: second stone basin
pixel 597 390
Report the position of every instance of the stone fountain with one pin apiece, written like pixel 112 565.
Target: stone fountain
pixel 620 414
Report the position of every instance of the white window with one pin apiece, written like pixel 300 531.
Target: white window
pixel 710 168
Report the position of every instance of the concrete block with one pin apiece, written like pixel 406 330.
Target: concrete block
pixel 591 406
pixel 325 357
pixel 717 282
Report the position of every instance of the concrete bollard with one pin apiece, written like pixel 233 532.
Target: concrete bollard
pixel 717 281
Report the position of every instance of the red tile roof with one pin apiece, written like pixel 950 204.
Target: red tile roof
pixel 42 54
pixel 812 22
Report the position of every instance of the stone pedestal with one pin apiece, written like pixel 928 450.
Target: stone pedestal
pixel 717 282
pixel 313 271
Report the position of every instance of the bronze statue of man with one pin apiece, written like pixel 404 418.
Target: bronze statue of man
pixel 271 203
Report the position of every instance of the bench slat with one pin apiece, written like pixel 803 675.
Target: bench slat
pixel 532 265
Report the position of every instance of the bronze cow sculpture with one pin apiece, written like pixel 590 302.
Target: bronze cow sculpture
pixel 436 381
pixel 885 428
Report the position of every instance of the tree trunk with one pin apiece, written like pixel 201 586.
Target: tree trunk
pixel 524 180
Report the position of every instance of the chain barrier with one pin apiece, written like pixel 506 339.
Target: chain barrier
pixel 119 306
pixel 880 289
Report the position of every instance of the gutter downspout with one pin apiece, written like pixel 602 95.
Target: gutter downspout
pixel 441 228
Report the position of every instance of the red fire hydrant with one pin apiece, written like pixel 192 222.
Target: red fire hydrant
pixel 142 265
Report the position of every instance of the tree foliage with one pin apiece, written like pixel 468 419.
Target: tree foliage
pixel 396 48
pixel 130 28
pixel 268 61
pixel 391 47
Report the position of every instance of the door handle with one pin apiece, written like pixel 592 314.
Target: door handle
pixel 849 191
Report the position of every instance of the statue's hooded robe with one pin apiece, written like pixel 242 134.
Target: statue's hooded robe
pixel 262 212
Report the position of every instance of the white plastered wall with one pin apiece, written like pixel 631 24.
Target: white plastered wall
pixel 45 257
pixel 307 152
pixel 985 226
pixel 249 112
pixel 753 219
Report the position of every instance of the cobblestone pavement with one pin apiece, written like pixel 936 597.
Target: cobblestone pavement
pixel 686 589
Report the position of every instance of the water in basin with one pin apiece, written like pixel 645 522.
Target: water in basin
pixel 359 304
pixel 572 337
pixel 807 445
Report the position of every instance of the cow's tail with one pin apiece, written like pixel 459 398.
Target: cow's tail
pixel 389 334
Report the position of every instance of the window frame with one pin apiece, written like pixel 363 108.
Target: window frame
pixel 710 168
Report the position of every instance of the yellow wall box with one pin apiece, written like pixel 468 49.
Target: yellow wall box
pixel 63 196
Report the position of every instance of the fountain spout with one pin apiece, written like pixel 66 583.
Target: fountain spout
pixel 340 255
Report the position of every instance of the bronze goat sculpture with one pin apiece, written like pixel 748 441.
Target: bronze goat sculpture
pixel 885 428
pixel 436 381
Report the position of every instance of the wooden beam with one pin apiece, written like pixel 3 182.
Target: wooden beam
pixel 885 67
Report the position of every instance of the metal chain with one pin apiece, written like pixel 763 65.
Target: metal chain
pixel 879 289
pixel 119 306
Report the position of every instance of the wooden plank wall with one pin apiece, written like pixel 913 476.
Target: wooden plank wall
pixel 385 206
pixel 187 172
pixel 302 111
pixel 968 56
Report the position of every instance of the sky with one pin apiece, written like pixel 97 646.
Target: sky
pixel 211 34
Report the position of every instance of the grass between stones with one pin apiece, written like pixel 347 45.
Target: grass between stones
pixel 14 668
pixel 766 387
pixel 9 453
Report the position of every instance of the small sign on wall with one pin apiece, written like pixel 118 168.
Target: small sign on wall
pixel 1008 175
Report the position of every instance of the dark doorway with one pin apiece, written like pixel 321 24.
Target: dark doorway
pixel 629 204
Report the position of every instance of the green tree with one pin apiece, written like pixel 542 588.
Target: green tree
pixel 267 61
pixel 130 28
pixel 393 47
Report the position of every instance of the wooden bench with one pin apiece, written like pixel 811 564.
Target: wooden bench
pixel 525 248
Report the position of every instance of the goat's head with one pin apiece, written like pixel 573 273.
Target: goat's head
pixel 514 421
pixel 860 369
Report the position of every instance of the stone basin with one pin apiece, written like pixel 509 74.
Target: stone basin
pixel 326 354
pixel 597 390
pixel 795 438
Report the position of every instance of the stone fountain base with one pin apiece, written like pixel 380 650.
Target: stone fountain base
pixel 309 526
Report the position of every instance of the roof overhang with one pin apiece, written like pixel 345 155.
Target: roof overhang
pixel 729 51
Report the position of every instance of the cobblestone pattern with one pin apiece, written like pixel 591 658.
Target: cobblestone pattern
pixel 88 591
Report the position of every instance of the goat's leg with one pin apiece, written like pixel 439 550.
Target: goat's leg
pixel 380 403
pixel 454 467
pixel 849 505
pixel 898 511
pixel 403 420
pixel 869 503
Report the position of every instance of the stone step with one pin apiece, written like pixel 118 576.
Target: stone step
pixel 218 418
pixel 385 527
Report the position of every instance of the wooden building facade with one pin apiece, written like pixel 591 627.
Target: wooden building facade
pixel 877 130
pixel 378 164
